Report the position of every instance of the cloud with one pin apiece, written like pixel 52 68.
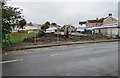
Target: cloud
pixel 65 12
pixel 65 0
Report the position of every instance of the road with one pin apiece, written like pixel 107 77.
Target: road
pixel 94 59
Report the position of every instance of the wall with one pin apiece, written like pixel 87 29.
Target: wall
pixel 111 32
pixel 93 24
pixel 110 21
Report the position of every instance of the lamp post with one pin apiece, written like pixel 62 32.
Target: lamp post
pixel 58 34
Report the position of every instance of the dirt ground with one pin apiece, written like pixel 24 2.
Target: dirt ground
pixel 50 38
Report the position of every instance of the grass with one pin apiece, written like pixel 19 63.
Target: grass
pixel 17 38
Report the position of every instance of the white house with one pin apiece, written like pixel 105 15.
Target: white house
pixel 31 29
pixel 108 30
pixel 109 20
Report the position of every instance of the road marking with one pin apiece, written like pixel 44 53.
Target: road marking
pixel 93 44
pixel 27 52
pixel 16 52
pixel 11 61
pixel 53 54
pixel 62 54
pixel 81 46
pixel 68 53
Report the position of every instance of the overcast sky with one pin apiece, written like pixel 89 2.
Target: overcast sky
pixel 64 11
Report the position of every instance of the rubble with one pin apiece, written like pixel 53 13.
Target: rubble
pixel 52 38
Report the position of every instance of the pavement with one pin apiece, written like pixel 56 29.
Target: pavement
pixel 90 59
pixel 29 46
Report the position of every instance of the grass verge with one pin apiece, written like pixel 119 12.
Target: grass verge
pixel 16 38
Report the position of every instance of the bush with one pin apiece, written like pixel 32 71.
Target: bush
pixel 41 33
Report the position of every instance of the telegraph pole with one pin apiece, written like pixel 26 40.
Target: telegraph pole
pixel 118 19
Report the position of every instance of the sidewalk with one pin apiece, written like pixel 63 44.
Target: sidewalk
pixel 56 44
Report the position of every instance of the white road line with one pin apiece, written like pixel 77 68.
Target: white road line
pixel 11 61
pixel 62 54
pixel 69 53
pixel 93 44
pixel 81 46
pixel 53 54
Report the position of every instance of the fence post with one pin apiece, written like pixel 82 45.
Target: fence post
pixel 9 39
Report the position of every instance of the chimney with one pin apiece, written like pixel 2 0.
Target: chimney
pixel 110 14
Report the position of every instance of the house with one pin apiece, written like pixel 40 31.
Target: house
pixel 109 20
pixel 30 29
pixel 52 28
pixel 81 29
pixel 68 28
pixel 108 30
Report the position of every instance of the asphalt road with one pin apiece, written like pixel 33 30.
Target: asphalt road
pixel 94 59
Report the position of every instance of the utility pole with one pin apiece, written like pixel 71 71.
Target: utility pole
pixel 35 36
pixel 9 39
pixel 118 19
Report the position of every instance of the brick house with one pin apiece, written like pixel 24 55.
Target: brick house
pixel 109 20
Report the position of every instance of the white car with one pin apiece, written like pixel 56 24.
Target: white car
pixel 50 30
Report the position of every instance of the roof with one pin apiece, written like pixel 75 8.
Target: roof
pixel 30 28
pixel 94 21
pixel 84 22
pixel 69 26
pixel 97 20
pixel 82 27
pixel 106 26
pixel 58 26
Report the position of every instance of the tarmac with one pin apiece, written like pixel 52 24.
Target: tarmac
pixel 33 46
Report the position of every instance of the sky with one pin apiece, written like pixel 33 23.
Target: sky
pixel 65 11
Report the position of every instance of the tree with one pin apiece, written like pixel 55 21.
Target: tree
pixel 54 24
pixel 11 18
pixel 48 23
pixel 45 26
pixel 30 24
pixel 22 23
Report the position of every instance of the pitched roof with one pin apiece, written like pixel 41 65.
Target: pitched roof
pixel 106 26
pixel 94 21
pixel 83 22
pixel 97 20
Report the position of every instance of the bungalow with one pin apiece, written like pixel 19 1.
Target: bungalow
pixel 81 29
pixel 30 29
pixel 52 28
pixel 109 20
pixel 108 30
pixel 68 28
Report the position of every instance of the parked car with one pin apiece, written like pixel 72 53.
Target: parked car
pixel 51 30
